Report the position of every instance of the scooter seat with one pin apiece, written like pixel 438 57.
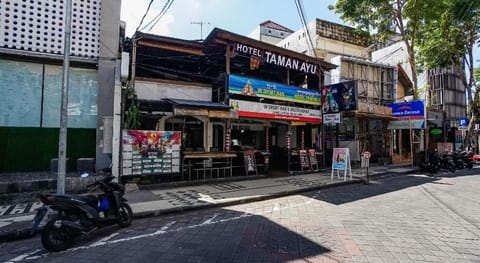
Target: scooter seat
pixel 91 200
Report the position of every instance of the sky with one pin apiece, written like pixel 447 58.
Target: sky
pixel 182 20
pixel 237 16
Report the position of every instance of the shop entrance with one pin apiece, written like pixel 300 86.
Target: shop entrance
pixel 192 131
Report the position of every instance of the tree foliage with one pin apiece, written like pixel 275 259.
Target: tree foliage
pixel 449 40
pixel 407 18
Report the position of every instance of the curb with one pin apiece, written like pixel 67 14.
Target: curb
pixel 23 233
pixel 159 212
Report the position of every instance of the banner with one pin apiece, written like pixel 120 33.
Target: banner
pixel 150 152
pixel 339 97
pixel 276 112
pixel 271 90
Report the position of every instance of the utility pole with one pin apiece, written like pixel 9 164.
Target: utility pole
pixel 62 137
pixel 201 23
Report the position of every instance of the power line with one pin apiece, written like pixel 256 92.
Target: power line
pixel 301 14
pixel 159 16
pixel 144 15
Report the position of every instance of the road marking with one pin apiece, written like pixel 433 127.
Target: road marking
pixel 162 231
pixel 210 220
pixel 22 257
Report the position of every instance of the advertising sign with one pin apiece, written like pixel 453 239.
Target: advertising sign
pixel 339 97
pixel 341 162
pixel 340 158
pixel 271 90
pixel 275 59
pixel 332 118
pixel 276 112
pixel 151 152
pixel 412 109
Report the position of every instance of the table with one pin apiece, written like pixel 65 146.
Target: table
pixel 211 163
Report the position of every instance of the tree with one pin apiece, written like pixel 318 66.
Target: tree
pixel 405 17
pixel 449 40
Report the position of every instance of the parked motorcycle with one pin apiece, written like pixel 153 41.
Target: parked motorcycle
pixel 76 215
pixel 447 163
pixel 433 164
pixel 467 158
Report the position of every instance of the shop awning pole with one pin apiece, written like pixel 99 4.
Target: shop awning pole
pixel 411 142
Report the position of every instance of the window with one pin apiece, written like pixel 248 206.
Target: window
pixel 21 104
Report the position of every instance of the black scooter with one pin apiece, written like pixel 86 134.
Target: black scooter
pixel 76 215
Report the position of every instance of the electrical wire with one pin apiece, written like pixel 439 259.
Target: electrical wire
pixel 144 15
pixel 159 16
pixel 301 14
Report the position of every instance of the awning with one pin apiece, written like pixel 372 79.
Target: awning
pixel 200 104
pixel 201 108
pixel 406 124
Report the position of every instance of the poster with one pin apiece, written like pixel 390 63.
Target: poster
pixel 339 97
pixel 150 152
pixel 341 161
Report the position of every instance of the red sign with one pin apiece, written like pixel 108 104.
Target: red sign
pixel 366 155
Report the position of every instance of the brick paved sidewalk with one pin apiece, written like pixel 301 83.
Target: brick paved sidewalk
pixel 15 220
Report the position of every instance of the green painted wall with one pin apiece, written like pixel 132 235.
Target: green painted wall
pixel 30 149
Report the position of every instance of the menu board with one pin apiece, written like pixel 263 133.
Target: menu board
pixel 150 152
pixel 313 159
pixel 250 162
pixel 304 160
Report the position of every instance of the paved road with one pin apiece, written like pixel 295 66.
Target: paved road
pixel 403 218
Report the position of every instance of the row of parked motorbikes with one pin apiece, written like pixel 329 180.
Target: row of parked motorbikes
pixel 456 160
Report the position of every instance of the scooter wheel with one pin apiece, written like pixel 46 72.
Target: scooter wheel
pixel 56 239
pixel 126 215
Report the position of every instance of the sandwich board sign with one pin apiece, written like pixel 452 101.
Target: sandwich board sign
pixel 341 162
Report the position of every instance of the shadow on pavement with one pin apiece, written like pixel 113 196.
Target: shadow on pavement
pixel 211 235
pixel 350 193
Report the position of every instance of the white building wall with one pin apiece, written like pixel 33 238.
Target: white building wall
pixel 149 90
pixel 39 26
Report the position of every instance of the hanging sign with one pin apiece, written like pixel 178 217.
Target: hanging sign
pixel 332 118
pixel 341 162
pixel 412 109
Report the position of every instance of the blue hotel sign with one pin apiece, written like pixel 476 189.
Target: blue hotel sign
pixel 412 109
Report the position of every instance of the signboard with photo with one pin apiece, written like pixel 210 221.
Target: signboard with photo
pixel 150 152
pixel 341 162
pixel 339 97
